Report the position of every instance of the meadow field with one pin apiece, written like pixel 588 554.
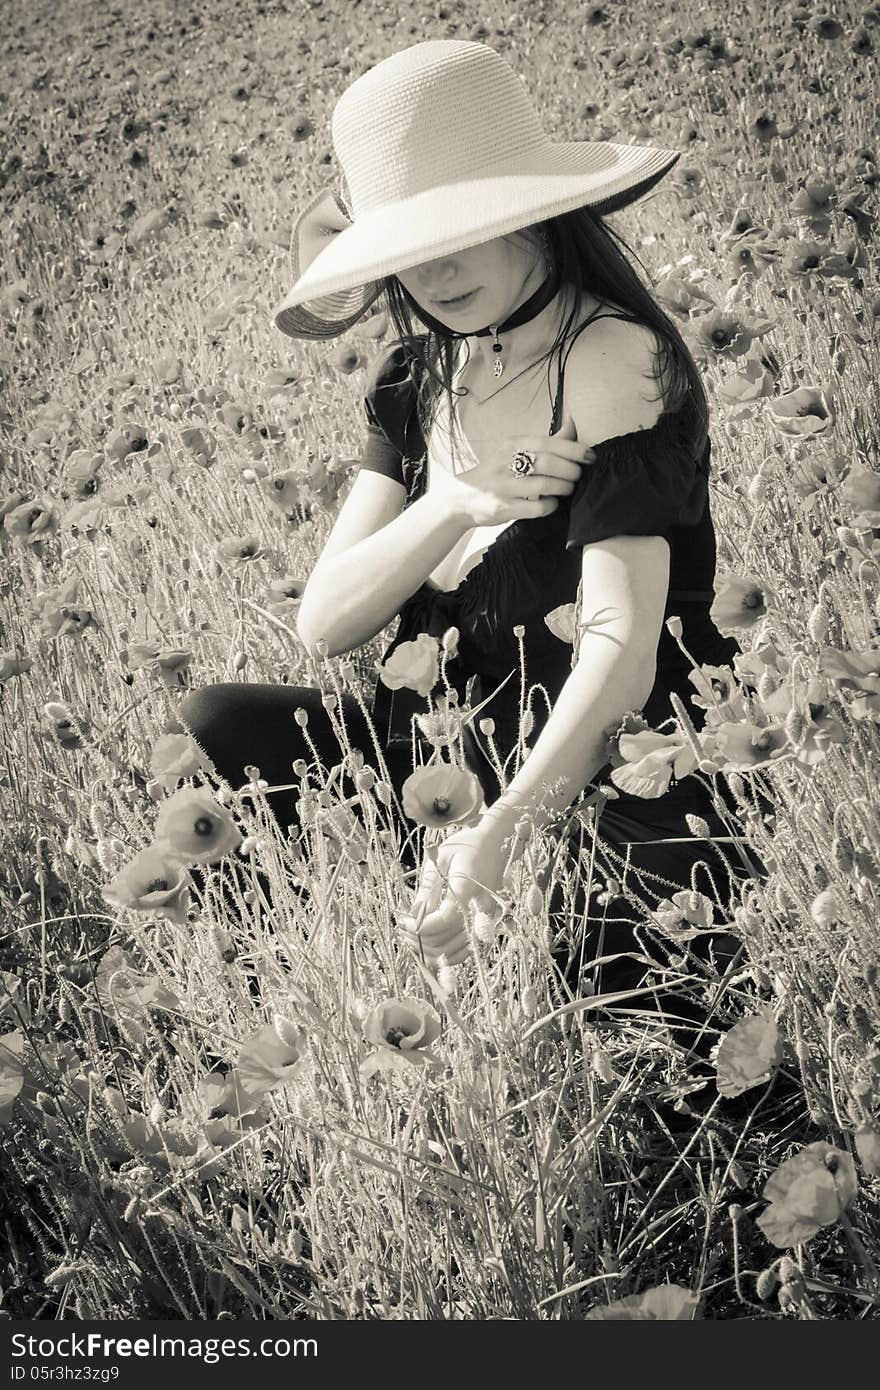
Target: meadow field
pixel 227 1088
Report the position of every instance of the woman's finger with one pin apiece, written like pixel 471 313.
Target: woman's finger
pixel 555 447
pixel 430 889
pixel 452 953
pixel 434 933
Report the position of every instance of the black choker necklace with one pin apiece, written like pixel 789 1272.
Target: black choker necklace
pixel 526 311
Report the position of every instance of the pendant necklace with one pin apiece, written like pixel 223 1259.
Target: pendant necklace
pixel 526 311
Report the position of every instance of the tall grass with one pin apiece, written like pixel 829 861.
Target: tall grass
pixel 532 1172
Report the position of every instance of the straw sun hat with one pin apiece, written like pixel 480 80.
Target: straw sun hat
pixel 441 150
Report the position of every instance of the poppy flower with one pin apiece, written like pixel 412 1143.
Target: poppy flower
pixel 86 516
pixel 373 327
pixel 211 218
pixel 724 334
pixel 129 439
pixel 679 294
pixel 31 522
pixel 170 663
pixel 764 127
pixel 193 827
pixel 816 199
pixel 14 295
pixel 750 257
pixel 127 994
pixel 12 665
pixel 200 444
pixel 287 490
pixel 237 416
pixel 238 551
pixel 101 244
pixel 801 414
pixel 666 1303
pixel 48 605
pixel 415 665
pixel 281 380
pixel 811 1190
pixel 860 40
pixel 81 470
pixel 750 384
pixel 67 622
pixel 437 729
pixel 148 226
pixel 867 1142
pixel 690 178
pixel 718 694
pixel 649 761
pixel 858 671
pixel 827 908
pixel 265 1062
pixel 748 1054
pixel 406 1024
pixel 345 832
pixel 808 707
pixel 751 666
pixel 10 502
pixel 561 622
pixel 167 369
pixel 747 745
pixel 817 476
pixel 301 128
pixel 825 26
pixel 862 490
pixel 740 602
pixel 64 728
pixel 174 756
pixel 685 915
pixel 346 359
pixel 442 794
pixel 284 597
pixel 152 882
pixel 803 257
pixel 741 224
pixel 216 323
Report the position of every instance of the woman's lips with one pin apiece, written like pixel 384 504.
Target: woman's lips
pixel 457 303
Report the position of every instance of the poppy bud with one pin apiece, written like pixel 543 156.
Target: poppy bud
pixel 697 826
pixel 534 900
pixel 529 1002
pixel 767 1283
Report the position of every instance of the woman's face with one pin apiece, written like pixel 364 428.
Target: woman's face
pixel 498 276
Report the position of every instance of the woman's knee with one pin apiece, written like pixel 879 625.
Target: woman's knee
pixel 210 710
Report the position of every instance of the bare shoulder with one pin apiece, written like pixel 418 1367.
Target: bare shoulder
pixel 609 385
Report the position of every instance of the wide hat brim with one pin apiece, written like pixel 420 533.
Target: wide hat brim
pixel 339 283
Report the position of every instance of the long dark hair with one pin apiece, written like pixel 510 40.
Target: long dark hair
pixel 590 257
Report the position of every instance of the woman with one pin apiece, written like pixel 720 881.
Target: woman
pixel 490 493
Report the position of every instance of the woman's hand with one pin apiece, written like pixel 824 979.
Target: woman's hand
pixel 469 872
pixel 489 493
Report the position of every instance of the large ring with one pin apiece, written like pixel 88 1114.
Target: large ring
pixel 522 462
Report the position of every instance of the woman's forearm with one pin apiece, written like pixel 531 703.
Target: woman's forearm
pixel 354 595
pixel 607 680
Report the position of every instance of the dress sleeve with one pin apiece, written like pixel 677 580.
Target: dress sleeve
pixel 641 484
pixel 388 398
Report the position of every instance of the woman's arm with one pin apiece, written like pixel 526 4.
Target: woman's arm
pixel 351 595
pixel 615 672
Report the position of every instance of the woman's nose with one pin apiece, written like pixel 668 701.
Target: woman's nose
pixel 434 275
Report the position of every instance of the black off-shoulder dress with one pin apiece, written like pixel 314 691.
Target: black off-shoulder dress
pixel 648 482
